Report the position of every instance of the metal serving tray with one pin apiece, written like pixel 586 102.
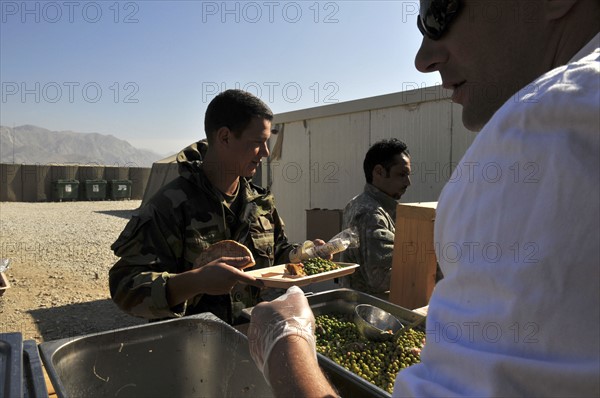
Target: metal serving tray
pixel 21 374
pixel 343 301
pixel 194 356
pixel 11 365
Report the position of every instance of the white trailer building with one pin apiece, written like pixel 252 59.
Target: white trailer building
pixel 316 159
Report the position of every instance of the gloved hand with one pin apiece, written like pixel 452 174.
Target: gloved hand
pixel 287 315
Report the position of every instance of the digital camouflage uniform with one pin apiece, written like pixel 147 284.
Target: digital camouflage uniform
pixel 181 220
pixel 373 214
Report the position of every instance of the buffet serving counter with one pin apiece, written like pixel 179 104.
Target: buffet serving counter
pixel 198 355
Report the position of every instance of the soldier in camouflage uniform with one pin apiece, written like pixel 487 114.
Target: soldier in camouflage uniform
pixel 373 214
pixel 212 200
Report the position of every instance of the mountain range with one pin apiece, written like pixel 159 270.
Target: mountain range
pixel 35 145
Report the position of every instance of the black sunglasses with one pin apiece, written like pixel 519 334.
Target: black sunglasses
pixel 435 17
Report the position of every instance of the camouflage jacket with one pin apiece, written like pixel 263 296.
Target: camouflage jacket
pixel 373 214
pixel 181 220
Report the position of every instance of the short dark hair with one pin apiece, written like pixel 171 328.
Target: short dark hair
pixel 234 109
pixel 384 153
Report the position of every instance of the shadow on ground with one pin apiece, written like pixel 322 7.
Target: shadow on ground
pixel 81 319
pixel 118 213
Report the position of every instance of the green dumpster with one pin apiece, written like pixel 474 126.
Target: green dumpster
pixel 65 190
pixel 119 189
pixel 94 190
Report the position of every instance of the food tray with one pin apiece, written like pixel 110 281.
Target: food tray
pixel 343 301
pixel 275 276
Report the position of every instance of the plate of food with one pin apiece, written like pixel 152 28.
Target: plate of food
pixel 302 274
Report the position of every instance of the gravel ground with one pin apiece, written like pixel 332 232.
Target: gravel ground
pixel 60 256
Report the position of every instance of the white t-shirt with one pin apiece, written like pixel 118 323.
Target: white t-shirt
pixel 517 237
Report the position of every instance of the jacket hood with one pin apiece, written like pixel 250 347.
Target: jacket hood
pixel 189 159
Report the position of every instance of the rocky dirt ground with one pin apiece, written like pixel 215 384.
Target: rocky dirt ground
pixel 60 256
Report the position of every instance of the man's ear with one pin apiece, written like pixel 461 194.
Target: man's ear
pixel 556 9
pixel 223 136
pixel 378 171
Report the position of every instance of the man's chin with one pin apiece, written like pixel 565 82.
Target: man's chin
pixel 398 195
pixel 475 117
pixel 474 126
pixel 249 173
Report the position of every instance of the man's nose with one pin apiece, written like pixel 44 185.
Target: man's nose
pixel 265 150
pixel 431 56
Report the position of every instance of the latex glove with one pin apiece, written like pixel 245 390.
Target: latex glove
pixel 287 315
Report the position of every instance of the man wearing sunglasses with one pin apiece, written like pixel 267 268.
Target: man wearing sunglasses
pixel 519 315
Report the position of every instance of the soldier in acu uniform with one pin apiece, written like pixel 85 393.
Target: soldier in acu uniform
pixel 373 214
pixel 213 199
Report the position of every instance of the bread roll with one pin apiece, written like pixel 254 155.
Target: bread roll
pixel 224 248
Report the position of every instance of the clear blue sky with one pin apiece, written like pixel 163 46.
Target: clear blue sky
pixel 144 71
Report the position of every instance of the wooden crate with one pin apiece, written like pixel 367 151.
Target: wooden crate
pixel 414 262
pixel 3 283
pixel 49 385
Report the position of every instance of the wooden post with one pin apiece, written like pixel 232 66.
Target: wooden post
pixel 414 263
